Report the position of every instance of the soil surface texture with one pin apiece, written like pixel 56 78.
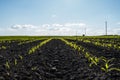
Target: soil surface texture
pixel 55 61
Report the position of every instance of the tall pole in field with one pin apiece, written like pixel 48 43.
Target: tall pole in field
pixel 106 27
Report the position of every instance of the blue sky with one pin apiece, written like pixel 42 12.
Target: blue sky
pixel 59 17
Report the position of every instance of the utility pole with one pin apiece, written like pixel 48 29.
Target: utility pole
pixel 106 27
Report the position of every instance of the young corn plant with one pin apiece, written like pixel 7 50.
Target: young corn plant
pixel 107 67
pixel 3 47
pixel 15 61
pixel 79 48
pixel 34 68
pixel 7 65
pixel 71 44
pixel 21 57
pixel 92 59
pixel 87 55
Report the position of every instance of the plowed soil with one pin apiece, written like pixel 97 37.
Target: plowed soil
pixel 55 61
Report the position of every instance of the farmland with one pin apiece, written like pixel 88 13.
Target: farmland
pixel 60 58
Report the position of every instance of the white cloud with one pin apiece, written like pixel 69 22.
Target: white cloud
pixel 47 29
pixel 75 24
pixel 57 25
pixel 94 31
pixel 25 26
pixel 116 31
pixel 56 29
pixel 65 29
pixel 44 29
pixel 45 25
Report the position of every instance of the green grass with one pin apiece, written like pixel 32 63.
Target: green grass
pixel 39 37
pixel 21 37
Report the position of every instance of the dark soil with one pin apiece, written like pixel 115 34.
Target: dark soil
pixel 100 51
pixel 55 61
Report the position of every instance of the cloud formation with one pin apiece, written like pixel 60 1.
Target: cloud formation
pixel 55 29
pixel 75 24
pixel 48 29
pixel 25 26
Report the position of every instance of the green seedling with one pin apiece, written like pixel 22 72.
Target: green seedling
pixel 94 61
pixel 21 57
pixel 87 55
pixel 107 66
pixel 34 68
pixel 15 61
pixel 3 47
pixel 7 65
pixel 79 49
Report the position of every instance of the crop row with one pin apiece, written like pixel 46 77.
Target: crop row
pixel 97 42
pixel 21 57
pixel 29 41
pixel 5 44
pixel 101 62
pixel 103 42
pixel 33 49
pixel 12 58
pixel 98 50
